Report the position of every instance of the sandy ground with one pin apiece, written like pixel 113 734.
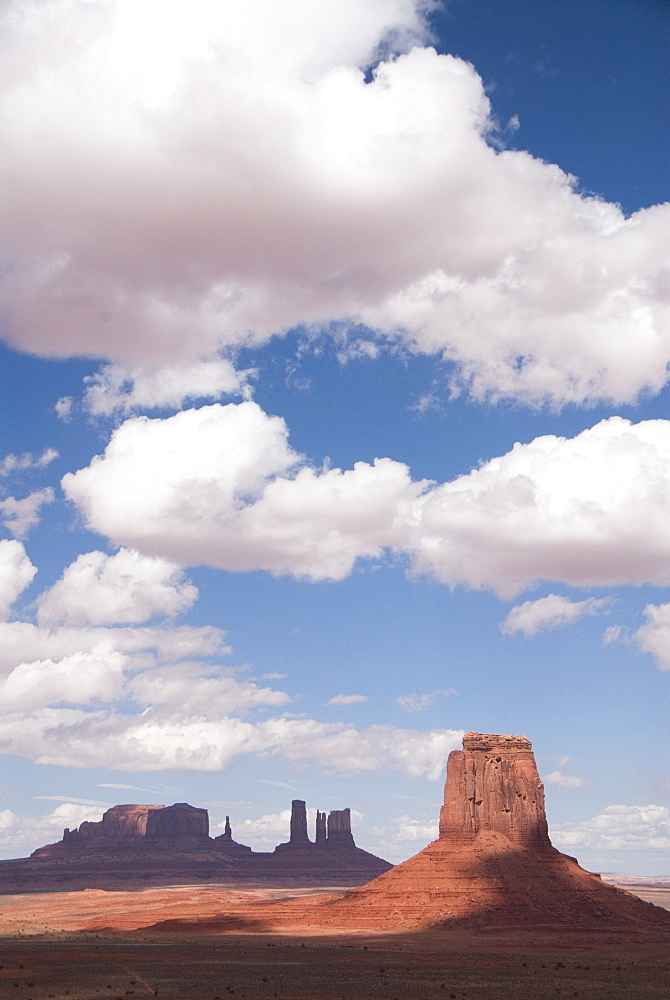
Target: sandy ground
pixel 82 946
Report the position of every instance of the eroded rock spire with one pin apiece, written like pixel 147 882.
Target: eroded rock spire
pixel 298 822
pixel 339 828
pixel 493 784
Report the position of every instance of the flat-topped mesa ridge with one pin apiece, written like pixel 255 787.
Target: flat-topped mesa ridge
pixel 493 786
pixel 124 822
pixel 178 820
pixel 133 825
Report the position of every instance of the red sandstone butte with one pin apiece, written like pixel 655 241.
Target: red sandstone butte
pixel 493 864
pixel 493 784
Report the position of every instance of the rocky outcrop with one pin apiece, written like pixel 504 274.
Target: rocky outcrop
pixel 125 822
pixel 226 846
pixel 493 784
pixel 179 820
pixel 298 828
pixel 142 845
pixel 328 860
pixel 493 864
pixel 133 823
pixel 339 828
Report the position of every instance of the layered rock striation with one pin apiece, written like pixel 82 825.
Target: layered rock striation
pixel 493 864
pixel 492 784
pixel 125 822
pixel 123 826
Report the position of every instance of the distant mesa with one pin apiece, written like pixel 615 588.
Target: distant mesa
pixel 144 845
pixel 129 822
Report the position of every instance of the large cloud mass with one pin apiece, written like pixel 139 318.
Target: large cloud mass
pixel 158 698
pixel 181 177
pixel 221 486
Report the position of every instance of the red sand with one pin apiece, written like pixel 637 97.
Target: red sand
pixel 200 948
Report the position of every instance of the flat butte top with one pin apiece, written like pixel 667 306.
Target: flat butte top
pixel 493 741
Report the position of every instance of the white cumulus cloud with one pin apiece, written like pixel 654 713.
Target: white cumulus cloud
pixel 19 463
pixel 549 613
pixel 654 636
pixel 148 699
pixel 220 485
pixel 419 702
pixel 118 388
pixel 618 828
pixel 585 511
pixel 22 834
pixel 404 836
pixel 128 588
pixel 158 740
pixel 563 780
pixel 80 678
pixel 185 177
pixel 24 642
pixel 210 486
pixel 21 515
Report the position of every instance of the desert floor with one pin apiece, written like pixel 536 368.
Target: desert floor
pixel 195 942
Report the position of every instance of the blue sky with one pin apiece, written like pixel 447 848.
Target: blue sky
pixel 334 412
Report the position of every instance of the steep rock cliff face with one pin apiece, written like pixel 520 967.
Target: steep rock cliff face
pixel 493 784
pixel 124 822
pixel 339 828
pixel 179 820
pixel 331 858
pixel 298 830
pixel 493 864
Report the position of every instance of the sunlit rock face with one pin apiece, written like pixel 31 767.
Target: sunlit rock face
pixel 130 822
pixel 493 864
pixel 493 785
pixel 124 822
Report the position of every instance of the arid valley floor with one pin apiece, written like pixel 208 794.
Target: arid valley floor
pixel 208 942
pixel 488 911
